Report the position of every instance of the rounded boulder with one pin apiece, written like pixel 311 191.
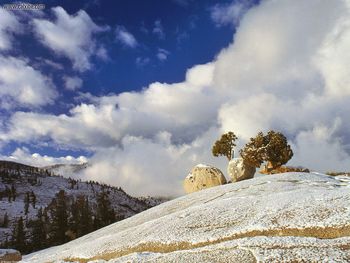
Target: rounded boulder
pixel 239 170
pixel 202 177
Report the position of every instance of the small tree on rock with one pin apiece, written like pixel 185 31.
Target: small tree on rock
pixel 278 151
pixel 254 151
pixel 225 145
pixel 272 148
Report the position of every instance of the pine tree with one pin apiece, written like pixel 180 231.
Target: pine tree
pixel 81 216
pixel 59 217
pixel 33 198
pixel 225 145
pixel 8 193
pixel 86 218
pixel 18 236
pixel 254 151
pixel 38 239
pixel 5 222
pixel 74 221
pixel 278 152
pixel 13 192
pixel 272 148
pixel 26 203
pixel 105 213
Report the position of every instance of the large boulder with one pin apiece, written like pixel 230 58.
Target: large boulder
pixel 203 176
pixel 239 170
pixel 289 217
pixel 10 255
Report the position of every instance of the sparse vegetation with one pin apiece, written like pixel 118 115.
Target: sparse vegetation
pixel 272 149
pixel 225 145
pixel 338 173
pixel 285 169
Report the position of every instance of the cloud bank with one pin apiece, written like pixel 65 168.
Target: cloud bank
pixel 23 155
pixel 286 69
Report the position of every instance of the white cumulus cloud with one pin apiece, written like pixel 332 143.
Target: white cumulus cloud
pixel 285 70
pixel 22 85
pixel 72 36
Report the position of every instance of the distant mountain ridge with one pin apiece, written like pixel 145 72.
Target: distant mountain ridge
pixel 24 189
pixel 10 165
pixel 66 169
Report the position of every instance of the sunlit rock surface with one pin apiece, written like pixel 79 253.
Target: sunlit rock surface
pixel 203 176
pixel 238 170
pixel 290 217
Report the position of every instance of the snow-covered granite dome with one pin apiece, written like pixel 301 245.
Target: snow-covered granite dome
pixel 275 218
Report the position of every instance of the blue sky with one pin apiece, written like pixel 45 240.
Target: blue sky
pixel 170 37
pixel 142 89
pixel 179 35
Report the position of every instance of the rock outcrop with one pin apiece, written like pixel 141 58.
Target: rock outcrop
pixel 289 217
pixel 238 170
pixel 202 177
pixel 10 255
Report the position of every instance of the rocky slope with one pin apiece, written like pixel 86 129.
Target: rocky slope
pixel 290 217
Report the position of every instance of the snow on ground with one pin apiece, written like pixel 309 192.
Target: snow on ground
pixel 46 187
pixel 290 216
pixel 202 165
pixel 6 251
pixel 50 185
pixel 253 249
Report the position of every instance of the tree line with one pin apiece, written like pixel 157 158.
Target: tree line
pixel 64 219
